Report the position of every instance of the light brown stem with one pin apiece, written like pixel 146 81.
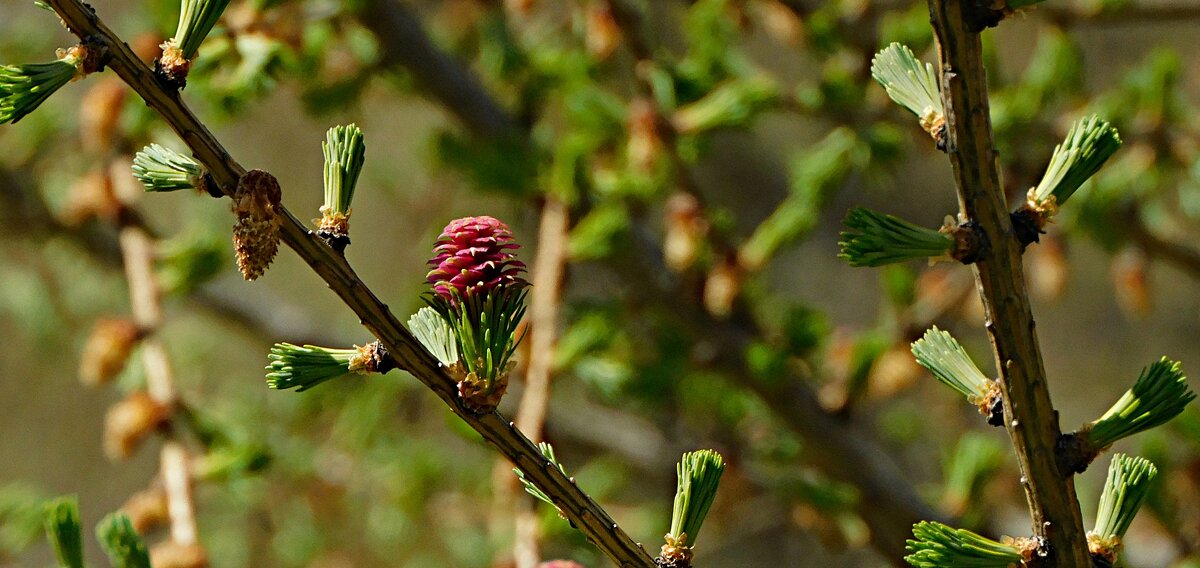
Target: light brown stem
pixel 1030 418
pixel 137 249
pixel 543 336
pixel 585 513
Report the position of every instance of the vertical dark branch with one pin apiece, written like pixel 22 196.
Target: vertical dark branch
pixel 405 44
pixel 1029 416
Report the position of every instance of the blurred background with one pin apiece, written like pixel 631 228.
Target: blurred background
pixel 683 167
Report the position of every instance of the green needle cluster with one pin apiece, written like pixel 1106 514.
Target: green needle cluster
pixel 547 451
pixel 121 543
pixel 161 169
pixel 939 352
pixel 25 87
pixel 699 474
pixel 435 334
pixel 303 368
pixel 1089 143
pixel 1127 485
pixel 876 239
pixel 344 154
pixel 909 83
pixel 939 546
pixel 486 328
pixel 1160 394
pixel 196 19
pixel 64 532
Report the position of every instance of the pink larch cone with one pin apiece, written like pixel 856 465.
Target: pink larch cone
pixel 473 256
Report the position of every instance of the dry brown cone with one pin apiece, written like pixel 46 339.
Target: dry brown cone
pixel 174 555
pixel 147 509
pixel 256 230
pixel 107 350
pixel 129 422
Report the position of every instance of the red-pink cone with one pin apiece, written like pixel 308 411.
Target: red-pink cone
pixel 473 256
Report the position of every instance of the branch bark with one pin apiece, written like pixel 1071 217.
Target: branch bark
pixel 588 516
pixel 1030 418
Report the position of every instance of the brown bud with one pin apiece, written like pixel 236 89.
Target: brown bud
pixel 645 145
pixel 1130 276
pixel 684 229
pixel 894 371
pixel 99 113
pixel 174 555
pixel 172 66
pixel 91 196
pixel 106 351
pixel 722 287
pixel 603 34
pixel 147 509
pixel 480 397
pixel 129 422
pixel 256 230
pixel 779 21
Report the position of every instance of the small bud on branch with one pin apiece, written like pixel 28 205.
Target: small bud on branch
pixel 911 85
pixel 344 155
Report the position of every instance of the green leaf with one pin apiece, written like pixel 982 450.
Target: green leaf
pixel 123 546
pixel 552 460
pixel 876 239
pixel 23 88
pixel 64 531
pixel 161 169
pixel 939 546
pixel 909 83
pixel 939 352
pixel 1127 485
pixel 196 19
pixel 305 367
pixel 1089 143
pixel 699 474
pixel 435 334
pixel 344 155
pixel 1160 394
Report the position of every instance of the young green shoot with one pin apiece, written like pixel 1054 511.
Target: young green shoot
pixel 911 84
pixel 64 532
pixel 1127 485
pixel 196 20
pixel 121 543
pixel 303 368
pixel 1160 394
pixel 486 327
pixel 161 169
pixel 344 154
pixel 435 334
pixel 23 88
pixel 939 352
pixel 876 239
pixel 552 460
pixel 1089 143
pixel 938 546
pixel 699 474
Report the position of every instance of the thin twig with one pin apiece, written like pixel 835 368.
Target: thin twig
pixel 548 268
pixel 588 516
pixel 1030 418
pixel 137 249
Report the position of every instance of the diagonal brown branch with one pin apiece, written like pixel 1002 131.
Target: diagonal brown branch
pixel 1029 416
pixel 588 516
pixel 889 505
